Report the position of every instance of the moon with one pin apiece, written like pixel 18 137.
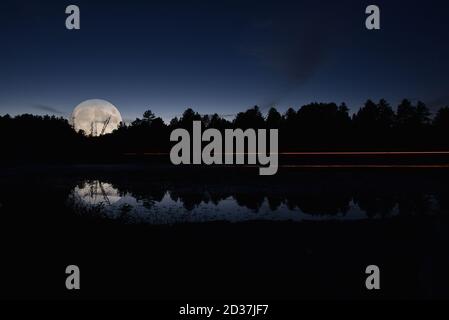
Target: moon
pixel 96 117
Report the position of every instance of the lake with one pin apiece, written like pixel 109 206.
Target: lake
pixel 148 231
pixel 297 196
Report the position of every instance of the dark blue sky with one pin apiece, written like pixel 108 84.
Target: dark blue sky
pixel 220 56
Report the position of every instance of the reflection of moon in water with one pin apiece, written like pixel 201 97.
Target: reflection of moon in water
pixel 97 192
pixel 96 117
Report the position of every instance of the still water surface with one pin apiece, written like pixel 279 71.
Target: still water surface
pixel 169 206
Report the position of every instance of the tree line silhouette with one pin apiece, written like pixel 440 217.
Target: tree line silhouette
pixel 313 127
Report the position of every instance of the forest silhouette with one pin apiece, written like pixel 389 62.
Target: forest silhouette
pixel 313 127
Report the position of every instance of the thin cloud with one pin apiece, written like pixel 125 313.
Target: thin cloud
pixel 293 45
pixel 45 108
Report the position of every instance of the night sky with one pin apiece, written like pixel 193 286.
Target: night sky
pixel 220 56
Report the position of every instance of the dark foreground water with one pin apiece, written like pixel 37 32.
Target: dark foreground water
pixel 146 231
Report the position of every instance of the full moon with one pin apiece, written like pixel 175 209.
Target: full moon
pixel 96 117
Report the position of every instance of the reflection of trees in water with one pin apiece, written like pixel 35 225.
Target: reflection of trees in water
pixel 252 201
pixel 376 197
pixel 376 204
pixel 382 204
pixel 274 202
pixel 415 204
pixel 320 204
pixel 373 205
pixel 189 199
